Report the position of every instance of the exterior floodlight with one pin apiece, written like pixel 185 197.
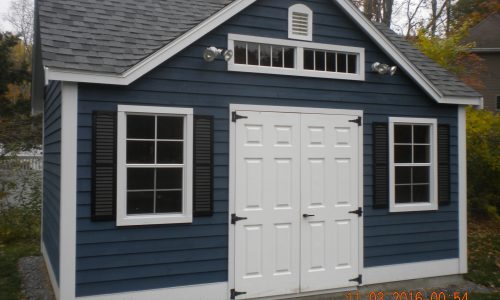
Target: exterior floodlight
pixel 228 54
pixel 383 68
pixel 393 70
pixel 211 53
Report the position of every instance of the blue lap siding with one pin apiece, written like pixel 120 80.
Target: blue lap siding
pixel 112 259
pixel 52 173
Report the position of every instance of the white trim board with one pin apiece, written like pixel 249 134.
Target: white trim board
pixel 409 271
pixel 50 270
pixel 229 11
pixel 212 291
pixel 462 190
pixel 67 236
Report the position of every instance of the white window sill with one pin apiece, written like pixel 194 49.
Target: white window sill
pixel 408 207
pixel 157 219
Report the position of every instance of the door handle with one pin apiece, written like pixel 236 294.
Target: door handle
pixel 307 215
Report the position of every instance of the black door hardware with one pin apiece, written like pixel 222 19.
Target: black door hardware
pixel 307 215
pixel 235 218
pixel 358 211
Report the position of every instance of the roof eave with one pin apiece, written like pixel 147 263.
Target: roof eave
pixel 227 12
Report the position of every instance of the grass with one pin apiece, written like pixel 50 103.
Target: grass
pixel 19 237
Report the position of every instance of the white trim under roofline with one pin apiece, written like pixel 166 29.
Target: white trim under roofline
pixel 462 190
pixel 229 11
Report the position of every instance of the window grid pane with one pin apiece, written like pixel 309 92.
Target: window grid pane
pixel 142 197
pixel 278 56
pixel 411 148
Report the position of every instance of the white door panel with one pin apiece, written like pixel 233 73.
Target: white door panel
pixel 268 195
pixel 296 182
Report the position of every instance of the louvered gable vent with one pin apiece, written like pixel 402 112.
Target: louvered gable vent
pixel 300 22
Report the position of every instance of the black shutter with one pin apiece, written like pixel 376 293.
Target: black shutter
pixel 444 164
pixel 203 166
pixel 380 165
pixel 103 204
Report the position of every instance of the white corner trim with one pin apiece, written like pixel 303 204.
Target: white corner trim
pixel 159 56
pixel 410 271
pixel 50 270
pixel 211 291
pixel 462 189
pixel 67 237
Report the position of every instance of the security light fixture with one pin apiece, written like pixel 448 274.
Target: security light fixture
pixel 384 68
pixel 211 53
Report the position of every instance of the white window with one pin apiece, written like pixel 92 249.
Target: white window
pixel 413 164
pixel 296 58
pixel 154 171
pixel 300 22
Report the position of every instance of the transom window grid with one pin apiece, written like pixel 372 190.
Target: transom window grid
pixel 329 61
pixel 297 58
pixel 158 177
pixel 264 55
pixel 412 163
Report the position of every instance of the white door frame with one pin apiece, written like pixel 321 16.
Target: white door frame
pixel 232 172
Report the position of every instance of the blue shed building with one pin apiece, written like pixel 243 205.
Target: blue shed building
pixel 243 149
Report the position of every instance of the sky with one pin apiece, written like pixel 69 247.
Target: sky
pixel 4 7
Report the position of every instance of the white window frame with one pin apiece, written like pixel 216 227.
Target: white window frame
pixel 186 216
pixel 433 191
pixel 300 8
pixel 298 69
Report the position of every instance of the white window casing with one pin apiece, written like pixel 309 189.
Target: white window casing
pixel 432 164
pixel 300 22
pixel 298 69
pixel 122 218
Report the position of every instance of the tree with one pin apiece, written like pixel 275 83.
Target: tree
pixel 20 16
pixel 376 10
pixel 473 11
pixel 452 54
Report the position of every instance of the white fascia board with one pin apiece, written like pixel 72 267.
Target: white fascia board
pixel 393 52
pixel 223 15
pixel 156 58
pixel 462 189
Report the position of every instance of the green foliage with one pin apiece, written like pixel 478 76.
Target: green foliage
pixel 452 54
pixel 19 224
pixel 483 162
pixel 18 129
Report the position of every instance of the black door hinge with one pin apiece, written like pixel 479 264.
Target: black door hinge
pixel 235 294
pixel 359 279
pixel 358 211
pixel 235 218
pixel 235 116
pixel 357 121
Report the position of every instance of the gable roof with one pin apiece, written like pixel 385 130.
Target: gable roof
pixel 485 34
pixel 116 42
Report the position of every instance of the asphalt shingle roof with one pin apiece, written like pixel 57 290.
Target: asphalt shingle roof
pixel 112 36
pixel 447 83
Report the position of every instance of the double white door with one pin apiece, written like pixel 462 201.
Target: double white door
pixel 296 185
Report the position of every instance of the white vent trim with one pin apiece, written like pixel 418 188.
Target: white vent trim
pixel 300 20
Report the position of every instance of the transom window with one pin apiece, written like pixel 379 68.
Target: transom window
pixel 298 58
pixel 154 165
pixel 330 61
pixel 264 55
pixel 413 166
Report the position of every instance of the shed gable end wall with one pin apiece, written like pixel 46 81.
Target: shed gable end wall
pixel 111 259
